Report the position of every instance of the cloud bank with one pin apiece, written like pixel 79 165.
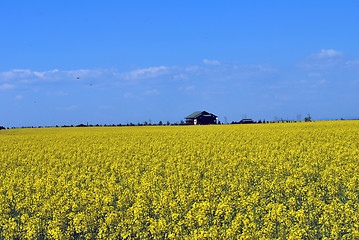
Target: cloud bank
pixel 328 53
pixel 211 62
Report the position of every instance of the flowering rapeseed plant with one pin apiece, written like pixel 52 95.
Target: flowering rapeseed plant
pixel 264 181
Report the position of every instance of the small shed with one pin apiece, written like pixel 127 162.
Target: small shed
pixel 246 121
pixel 201 118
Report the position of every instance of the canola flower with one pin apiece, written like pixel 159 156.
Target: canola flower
pixel 264 181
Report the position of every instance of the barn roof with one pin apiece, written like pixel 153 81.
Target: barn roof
pixel 199 113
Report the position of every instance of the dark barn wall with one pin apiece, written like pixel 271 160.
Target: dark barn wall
pixel 202 120
pixel 190 121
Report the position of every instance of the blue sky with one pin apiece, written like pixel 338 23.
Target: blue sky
pixel 110 62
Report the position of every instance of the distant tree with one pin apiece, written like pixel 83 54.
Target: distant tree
pixel 168 123
pixel 299 117
pixel 160 123
pixel 219 122
pixel 1 128
pixel 308 119
pixel 145 123
pixel 182 122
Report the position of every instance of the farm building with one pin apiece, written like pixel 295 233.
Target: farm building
pixel 246 121
pixel 201 118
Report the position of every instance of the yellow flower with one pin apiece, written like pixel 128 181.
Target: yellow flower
pixel 261 181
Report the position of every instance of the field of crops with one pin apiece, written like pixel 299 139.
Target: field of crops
pixel 263 181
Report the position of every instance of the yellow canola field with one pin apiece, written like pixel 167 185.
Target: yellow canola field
pixel 263 181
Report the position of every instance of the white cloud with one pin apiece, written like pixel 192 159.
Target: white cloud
pixel 192 69
pixel 317 84
pixel 211 62
pixel 68 108
pixel 25 78
pixel 282 97
pixel 15 73
pixel 328 53
pixel 87 77
pixel 105 107
pixel 72 107
pixel 87 73
pixel 25 74
pixel 128 95
pixel 19 97
pixel 6 86
pixel 322 81
pixel 188 88
pixel 45 73
pixel 314 74
pixel 179 76
pixel 136 81
pixel 324 60
pixel 259 68
pixel 54 74
pixel 152 92
pixel 56 93
pixel 352 62
pixel 146 72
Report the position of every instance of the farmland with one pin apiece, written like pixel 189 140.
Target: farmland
pixel 263 181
